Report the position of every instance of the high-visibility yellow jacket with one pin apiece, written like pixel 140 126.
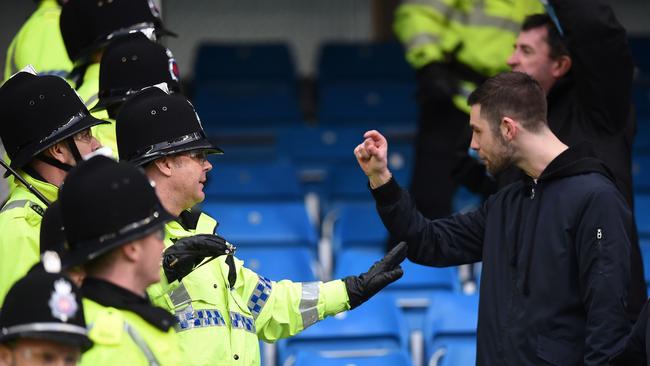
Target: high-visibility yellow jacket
pixel 222 326
pixel 479 34
pixel 89 88
pixel 122 337
pixel 20 226
pixel 39 43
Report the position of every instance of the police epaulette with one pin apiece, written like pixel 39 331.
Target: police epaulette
pixel 38 209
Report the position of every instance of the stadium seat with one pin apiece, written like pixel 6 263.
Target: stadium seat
pixel 450 329
pixel 376 326
pixel 245 85
pixel 357 225
pixel 641 172
pixel 250 224
pixel 276 180
pixel 640 47
pixel 384 358
pixel 642 138
pixel 295 264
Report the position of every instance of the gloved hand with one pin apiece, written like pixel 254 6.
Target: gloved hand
pixel 381 274
pixel 436 83
pixel 186 253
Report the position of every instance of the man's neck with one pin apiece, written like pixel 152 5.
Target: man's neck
pixel 166 196
pixel 538 151
pixel 124 277
pixel 50 174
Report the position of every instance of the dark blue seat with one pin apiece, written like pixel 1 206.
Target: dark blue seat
pixel 642 214
pixel 450 324
pixel 276 224
pixel 640 48
pixel 641 172
pixel 384 358
pixel 376 326
pixel 277 180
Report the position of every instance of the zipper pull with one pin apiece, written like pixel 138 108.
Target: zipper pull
pixel 599 233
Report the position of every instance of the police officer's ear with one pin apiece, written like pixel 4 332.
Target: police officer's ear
pixel 5 355
pixel 131 251
pixel 164 165
pixel 60 152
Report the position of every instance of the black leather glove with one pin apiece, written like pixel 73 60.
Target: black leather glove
pixel 381 274
pixel 187 253
pixel 437 83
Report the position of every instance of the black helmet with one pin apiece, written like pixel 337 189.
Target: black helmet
pixel 105 204
pixel 38 112
pixel 89 25
pixel 52 236
pixel 131 63
pixel 46 306
pixel 154 124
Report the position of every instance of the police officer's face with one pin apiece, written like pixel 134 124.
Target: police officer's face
pixel 26 352
pixel 193 167
pixel 86 142
pixel 492 148
pixel 152 247
pixel 532 56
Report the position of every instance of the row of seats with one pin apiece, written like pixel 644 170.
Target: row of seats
pixel 257 85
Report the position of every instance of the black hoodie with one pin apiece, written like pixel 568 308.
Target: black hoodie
pixel 555 258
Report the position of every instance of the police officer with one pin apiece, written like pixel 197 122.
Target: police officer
pixel 39 43
pixel 42 322
pixel 113 225
pixel 46 131
pixel 89 26
pixel 223 308
pixel 129 64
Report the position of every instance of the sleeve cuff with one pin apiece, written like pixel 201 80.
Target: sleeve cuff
pixel 335 297
pixel 386 194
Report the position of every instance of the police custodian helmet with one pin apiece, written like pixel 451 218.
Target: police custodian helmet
pixel 131 63
pixel 153 124
pixel 89 25
pixel 45 306
pixel 38 112
pixel 106 204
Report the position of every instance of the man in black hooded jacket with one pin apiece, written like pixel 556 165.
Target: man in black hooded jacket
pixel 554 245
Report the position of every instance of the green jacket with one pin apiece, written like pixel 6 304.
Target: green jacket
pixel 20 226
pixel 39 43
pixel 478 34
pixel 222 326
pixel 89 88
pixel 123 337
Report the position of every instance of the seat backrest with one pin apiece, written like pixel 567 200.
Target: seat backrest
pixel 295 264
pixel 254 182
pixel 383 358
pixel 263 223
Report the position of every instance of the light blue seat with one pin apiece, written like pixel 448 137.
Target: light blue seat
pixel 450 329
pixel 295 264
pixel 253 182
pixel 386 358
pixel 376 326
pixel 250 224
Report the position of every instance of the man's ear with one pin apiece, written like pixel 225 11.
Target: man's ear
pixel 131 251
pixel 164 165
pixel 58 151
pixel 509 128
pixel 561 66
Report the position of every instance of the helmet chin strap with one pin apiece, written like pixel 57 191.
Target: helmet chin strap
pixel 72 146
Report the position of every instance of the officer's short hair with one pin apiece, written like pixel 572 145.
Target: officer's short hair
pixel 511 94
pixel 554 40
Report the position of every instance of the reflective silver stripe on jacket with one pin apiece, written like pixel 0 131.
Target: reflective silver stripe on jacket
pixel 477 17
pixel 14 204
pixel 93 98
pixel 139 341
pixel 180 297
pixel 421 39
pixel 309 303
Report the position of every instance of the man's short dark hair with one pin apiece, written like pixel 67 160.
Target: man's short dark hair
pixel 511 94
pixel 554 39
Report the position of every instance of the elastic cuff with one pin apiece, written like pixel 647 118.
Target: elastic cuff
pixel 334 297
pixel 386 194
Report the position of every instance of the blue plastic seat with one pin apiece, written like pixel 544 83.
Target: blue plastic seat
pixel 642 138
pixel 384 358
pixel 640 47
pixel 450 323
pixel 278 224
pixel 641 172
pixel 358 226
pixel 244 62
pixel 376 326
pixel 340 61
pixel 253 182
pixel 295 264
